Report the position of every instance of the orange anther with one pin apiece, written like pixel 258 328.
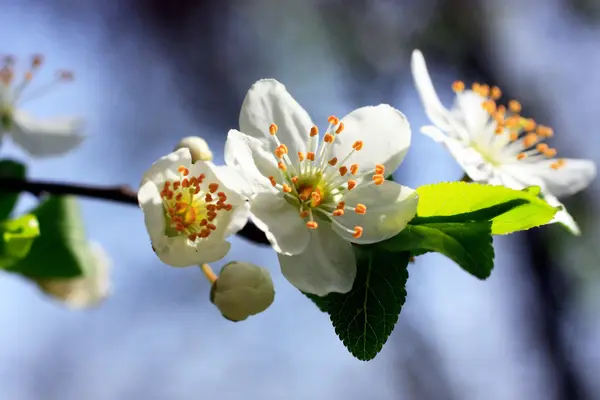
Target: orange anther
pixel 521 156
pixel 513 136
pixel 458 86
pixel 222 195
pixel 333 161
pixel 340 128
pixel 529 124
pixel 351 184
pixel 512 122
pixel 213 187
pixel 484 90
pixel 544 131
pixel 185 182
pixel 333 120
pixel 514 106
pixel 281 166
pixel 357 145
pixel 314 131
pixel 310 155
pixel 37 60
pixel 193 237
pixel 272 179
pixel 286 188
pixel 300 156
pixel 542 147
pixel 529 140
pixel 304 214
pixel 212 227
pixel 328 138
pixel 294 180
pixel 380 169
pixel 273 129
pixel 354 169
pixel 343 170
pixel 315 199
pixel 338 212
pixel 312 225
pixel 201 178
pixel 28 76
pixel 208 198
pixel 550 152
pixel 358 231
pixel 204 222
pixel 489 106
pixel 499 130
pixel 496 93
pixel 283 148
pixel 360 209
pixel 378 179
pixel 183 171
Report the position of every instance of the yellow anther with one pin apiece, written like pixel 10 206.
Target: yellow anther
pixel 273 129
pixel 360 209
pixel 312 225
pixel 340 128
pixel 514 106
pixel 358 231
pixel 314 131
pixel 458 86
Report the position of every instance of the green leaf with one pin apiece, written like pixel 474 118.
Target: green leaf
pixel 365 317
pixel 9 169
pixel 469 244
pixel 62 250
pixel 17 237
pixel 524 209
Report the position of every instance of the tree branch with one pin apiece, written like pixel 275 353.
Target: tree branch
pixel 119 194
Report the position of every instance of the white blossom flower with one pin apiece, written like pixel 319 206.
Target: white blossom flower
pixel 314 197
pixel 497 145
pixel 87 290
pixel 191 208
pixel 38 136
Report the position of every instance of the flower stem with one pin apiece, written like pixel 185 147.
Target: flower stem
pixel 208 272
pixel 118 194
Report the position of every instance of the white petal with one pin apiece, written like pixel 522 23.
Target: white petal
pixel 154 213
pixel 180 252
pixel 390 206
pixel 563 217
pixel 268 102
pixel 280 221
pixel 327 265
pixel 574 176
pixel 468 109
pixel 467 157
pixel 46 137
pixel 437 113
pixel 165 168
pixel 247 154
pixel 385 133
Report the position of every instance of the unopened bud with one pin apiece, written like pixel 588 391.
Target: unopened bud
pixel 242 289
pixel 86 290
pixel 198 148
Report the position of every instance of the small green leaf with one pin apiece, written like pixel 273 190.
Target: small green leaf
pixel 9 169
pixel 17 236
pixel 62 250
pixel 365 317
pixel 469 244
pixel 524 209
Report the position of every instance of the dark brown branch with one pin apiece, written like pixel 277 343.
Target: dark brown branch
pixel 118 194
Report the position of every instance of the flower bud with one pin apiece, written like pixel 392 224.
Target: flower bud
pixel 242 289
pixel 83 291
pixel 198 148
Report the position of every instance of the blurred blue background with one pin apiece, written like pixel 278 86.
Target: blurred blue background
pixel 150 72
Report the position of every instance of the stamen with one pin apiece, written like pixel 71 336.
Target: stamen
pixel 338 212
pixel 213 187
pixel 351 184
pixel 312 225
pixel 489 106
pixel 378 179
pixel 529 140
pixel 354 169
pixel 328 138
pixel 333 120
pixel 360 209
pixel 544 131
pixel 294 180
pixel 458 86
pixel 513 136
pixel 281 166
pixel 183 171
pixel 333 161
pixel 358 145
pixel 273 181
pixel 340 128
pixel 286 188
pixel 529 124
pixel 358 231
pixel 558 164
pixel 496 93
pixel 514 106
pixel 542 147
pixel 343 170
pixel 273 128
pixel 521 156
pixel 300 156
pixel 310 155
pixel 314 131
pixel 380 169
pixel 550 153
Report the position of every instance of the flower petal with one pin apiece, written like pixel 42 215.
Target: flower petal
pixel 437 113
pixel 385 132
pixel 154 213
pixel 574 176
pixel 327 265
pixel 280 221
pixel 180 252
pixel 246 153
pixel 563 217
pixel 389 208
pixel 46 137
pixel 165 168
pixel 268 102
pixel 468 109
pixel 467 157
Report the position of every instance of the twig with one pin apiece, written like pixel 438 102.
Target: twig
pixel 118 194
